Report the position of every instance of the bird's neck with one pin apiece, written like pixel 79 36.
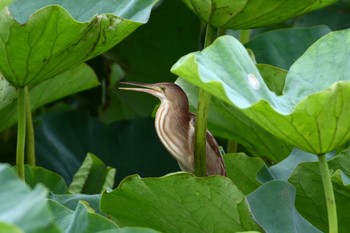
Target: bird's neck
pixel 172 125
pixel 176 115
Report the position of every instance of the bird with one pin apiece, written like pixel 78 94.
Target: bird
pixel 175 127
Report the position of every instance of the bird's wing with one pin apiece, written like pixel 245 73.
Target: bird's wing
pixel 210 138
pixel 219 167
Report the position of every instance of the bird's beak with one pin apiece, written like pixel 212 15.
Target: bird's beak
pixel 147 88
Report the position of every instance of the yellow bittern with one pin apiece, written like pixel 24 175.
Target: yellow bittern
pixel 175 127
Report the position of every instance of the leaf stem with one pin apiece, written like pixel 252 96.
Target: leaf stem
pixel 202 117
pixel 210 35
pixel 231 146
pixel 244 36
pixel 30 140
pixel 21 132
pixel 328 190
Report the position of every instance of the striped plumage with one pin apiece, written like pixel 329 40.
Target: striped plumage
pixel 175 127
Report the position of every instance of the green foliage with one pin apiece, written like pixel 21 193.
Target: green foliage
pixel 282 97
pixel 51 180
pixel 77 79
pixel 92 177
pixel 244 14
pixel 175 202
pixel 230 123
pixel 70 221
pixel 282 47
pixel 275 200
pixel 243 171
pixel 67 37
pixel 308 184
pixel 64 139
pixel 23 207
pixel 314 81
pixel 169 34
pixel 4 3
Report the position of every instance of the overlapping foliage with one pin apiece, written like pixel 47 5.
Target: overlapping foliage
pixel 266 109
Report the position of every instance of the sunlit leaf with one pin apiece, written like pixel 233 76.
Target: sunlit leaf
pixel 77 79
pixel 242 14
pixel 178 203
pixel 4 3
pixel 51 180
pixel 243 171
pixel 40 41
pixel 311 114
pixel 226 121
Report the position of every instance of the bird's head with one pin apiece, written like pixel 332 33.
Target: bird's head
pixel 164 91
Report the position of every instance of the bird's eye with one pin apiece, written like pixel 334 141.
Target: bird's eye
pixel 163 88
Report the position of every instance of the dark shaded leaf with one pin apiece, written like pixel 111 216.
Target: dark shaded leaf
pixel 283 47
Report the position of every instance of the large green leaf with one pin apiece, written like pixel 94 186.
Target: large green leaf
pixel 23 207
pixel 51 180
pixel 228 122
pixel 310 200
pixel 4 3
pixel 179 202
pixel 283 47
pixel 243 171
pixel 135 230
pixel 77 79
pixel 10 228
pixel 92 177
pixel 80 213
pixel 40 41
pixel 7 92
pixel 272 206
pixel 313 111
pixel 242 14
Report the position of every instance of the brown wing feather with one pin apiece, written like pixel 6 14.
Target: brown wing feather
pixel 215 163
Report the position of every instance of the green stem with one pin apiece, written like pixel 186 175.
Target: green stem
pixel 244 36
pixel 210 35
pixel 21 132
pixel 231 146
pixel 30 140
pixel 221 31
pixel 202 116
pixel 328 190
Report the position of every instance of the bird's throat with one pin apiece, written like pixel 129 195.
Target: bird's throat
pixel 172 126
